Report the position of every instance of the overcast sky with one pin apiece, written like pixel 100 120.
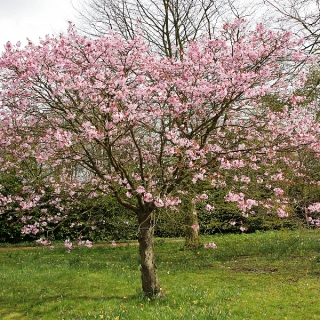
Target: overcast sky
pixel 22 19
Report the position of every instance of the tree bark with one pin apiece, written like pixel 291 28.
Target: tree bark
pixel 149 277
pixel 192 238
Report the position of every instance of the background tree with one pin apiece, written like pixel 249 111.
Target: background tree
pixel 139 126
pixel 167 25
pixel 302 17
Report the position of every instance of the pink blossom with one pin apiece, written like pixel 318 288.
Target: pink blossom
pixel 235 197
pixel 195 227
pixel 243 229
pixel 250 203
pixel 170 202
pixel 117 117
pixel 140 189
pixel 158 203
pixel 209 207
pixel 245 179
pixel 278 191
pixel 315 207
pixel 137 176
pixel 148 197
pixel 282 213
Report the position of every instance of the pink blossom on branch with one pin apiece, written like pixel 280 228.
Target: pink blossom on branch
pixel 315 207
pixel 140 189
pixel 158 203
pixel 148 197
pixel 195 227
pixel 209 207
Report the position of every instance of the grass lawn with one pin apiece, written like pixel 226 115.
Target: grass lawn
pixel 273 275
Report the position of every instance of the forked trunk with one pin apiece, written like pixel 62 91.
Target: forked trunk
pixel 150 284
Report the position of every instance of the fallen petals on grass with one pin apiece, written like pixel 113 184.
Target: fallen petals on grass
pixel 210 245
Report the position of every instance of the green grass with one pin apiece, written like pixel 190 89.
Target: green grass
pixel 273 275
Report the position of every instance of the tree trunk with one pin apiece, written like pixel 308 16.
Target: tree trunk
pixel 150 284
pixel 192 238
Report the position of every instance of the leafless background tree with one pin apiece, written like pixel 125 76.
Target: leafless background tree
pixel 302 17
pixel 169 24
pixel 166 24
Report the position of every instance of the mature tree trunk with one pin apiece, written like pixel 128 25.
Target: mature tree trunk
pixel 150 284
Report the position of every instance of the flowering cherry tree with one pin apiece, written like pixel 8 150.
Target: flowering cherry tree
pixel 107 116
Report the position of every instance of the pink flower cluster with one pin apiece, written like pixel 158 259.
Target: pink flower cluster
pixel 243 205
pixel 31 228
pixel 315 207
pixel 243 229
pixel 314 222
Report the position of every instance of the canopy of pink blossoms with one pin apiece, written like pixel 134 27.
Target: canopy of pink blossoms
pixel 108 116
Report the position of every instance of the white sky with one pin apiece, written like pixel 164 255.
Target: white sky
pixel 22 19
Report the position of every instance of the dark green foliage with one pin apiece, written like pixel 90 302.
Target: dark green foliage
pixel 219 222
pixel 170 223
pixel 113 222
pixel 10 223
pixel 103 219
pixel 97 219
pixel 106 220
